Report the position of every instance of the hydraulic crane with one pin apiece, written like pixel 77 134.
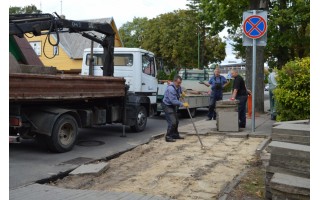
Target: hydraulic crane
pixel 20 24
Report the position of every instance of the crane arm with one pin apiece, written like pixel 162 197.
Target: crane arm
pixel 20 24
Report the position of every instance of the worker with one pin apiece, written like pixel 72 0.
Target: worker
pixel 217 83
pixel 272 86
pixel 170 103
pixel 240 93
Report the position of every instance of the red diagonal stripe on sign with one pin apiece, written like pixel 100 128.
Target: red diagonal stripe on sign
pixel 255 26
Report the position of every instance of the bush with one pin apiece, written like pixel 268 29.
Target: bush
pixel 292 94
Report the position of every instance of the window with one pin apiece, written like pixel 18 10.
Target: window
pixel 119 60
pixel 148 65
pixel 36 47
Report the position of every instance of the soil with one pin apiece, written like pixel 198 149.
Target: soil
pixel 180 170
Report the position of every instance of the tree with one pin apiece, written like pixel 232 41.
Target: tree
pixel 288 32
pixel 30 9
pixel 173 37
pixel 132 32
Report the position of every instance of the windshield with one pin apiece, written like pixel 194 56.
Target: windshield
pixel 119 59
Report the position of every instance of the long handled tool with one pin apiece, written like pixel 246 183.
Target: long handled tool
pixel 195 128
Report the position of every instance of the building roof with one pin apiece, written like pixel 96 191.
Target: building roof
pixel 74 44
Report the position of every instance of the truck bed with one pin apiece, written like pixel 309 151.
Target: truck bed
pixel 35 87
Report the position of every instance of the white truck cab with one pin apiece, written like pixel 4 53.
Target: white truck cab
pixel 137 66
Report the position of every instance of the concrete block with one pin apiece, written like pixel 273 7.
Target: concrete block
pixel 292 163
pixel 282 170
pixel 307 121
pixel 297 139
pixel 227 102
pixel 289 149
pixel 228 121
pixel 289 184
pixel 91 169
pixel 292 129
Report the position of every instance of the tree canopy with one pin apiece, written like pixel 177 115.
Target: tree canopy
pixel 174 37
pixel 30 9
pixel 288 26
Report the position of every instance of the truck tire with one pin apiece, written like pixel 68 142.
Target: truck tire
pixel 185 113
pixel 141 120
pixel 64 134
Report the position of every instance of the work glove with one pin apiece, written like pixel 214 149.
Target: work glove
pixel 183 95
pixel 185 104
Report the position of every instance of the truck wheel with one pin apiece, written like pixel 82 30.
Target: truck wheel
pixel 64 134
pixel 141 120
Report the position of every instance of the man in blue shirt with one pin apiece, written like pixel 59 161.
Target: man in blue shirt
pixel 170 103
pixel 217 83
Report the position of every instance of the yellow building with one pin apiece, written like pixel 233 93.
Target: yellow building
pixel 70 49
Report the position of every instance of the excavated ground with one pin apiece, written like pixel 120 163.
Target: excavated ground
pixel 180 170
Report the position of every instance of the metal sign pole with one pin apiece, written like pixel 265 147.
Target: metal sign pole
pixel 254 62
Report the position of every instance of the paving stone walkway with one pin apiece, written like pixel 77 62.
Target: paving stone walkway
pixel 45 192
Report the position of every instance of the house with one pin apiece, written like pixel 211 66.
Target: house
pixel 68 54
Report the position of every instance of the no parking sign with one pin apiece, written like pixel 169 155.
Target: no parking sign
pixel 254 26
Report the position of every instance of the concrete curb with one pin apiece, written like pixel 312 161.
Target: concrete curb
pixel 229 187
pixel 263 145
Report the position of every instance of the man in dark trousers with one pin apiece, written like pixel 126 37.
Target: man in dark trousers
pixel 217 83
pixel 240 93
pixel 170 103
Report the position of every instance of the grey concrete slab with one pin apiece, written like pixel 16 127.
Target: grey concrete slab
pixel 297 139
pixel 47 192
pixel 227 121
pixel 91 169
pixel 282 170
pixel 290 184
pixel 292 129
pixel 289 149
pixel 293 122
pixel 288 162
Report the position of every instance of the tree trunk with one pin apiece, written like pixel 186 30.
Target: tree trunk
pixel 259 90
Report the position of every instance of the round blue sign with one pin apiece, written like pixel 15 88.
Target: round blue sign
pixel 254 27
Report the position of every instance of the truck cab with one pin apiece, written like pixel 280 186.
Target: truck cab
pixel 137 66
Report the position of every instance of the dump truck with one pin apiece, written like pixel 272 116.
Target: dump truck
pixel 50 106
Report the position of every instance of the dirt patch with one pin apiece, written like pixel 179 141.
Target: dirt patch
pixel 179 170
pixel 251 186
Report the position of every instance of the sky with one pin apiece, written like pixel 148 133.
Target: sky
pixel 121 10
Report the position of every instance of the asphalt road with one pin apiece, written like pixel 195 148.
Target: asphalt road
pixel 30 161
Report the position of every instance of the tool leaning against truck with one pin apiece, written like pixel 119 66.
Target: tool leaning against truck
pixel 52 107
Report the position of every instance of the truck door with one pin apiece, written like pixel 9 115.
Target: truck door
pixel 149 81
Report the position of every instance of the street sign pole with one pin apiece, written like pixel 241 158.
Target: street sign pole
pixel 254 67
pixel 254 34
